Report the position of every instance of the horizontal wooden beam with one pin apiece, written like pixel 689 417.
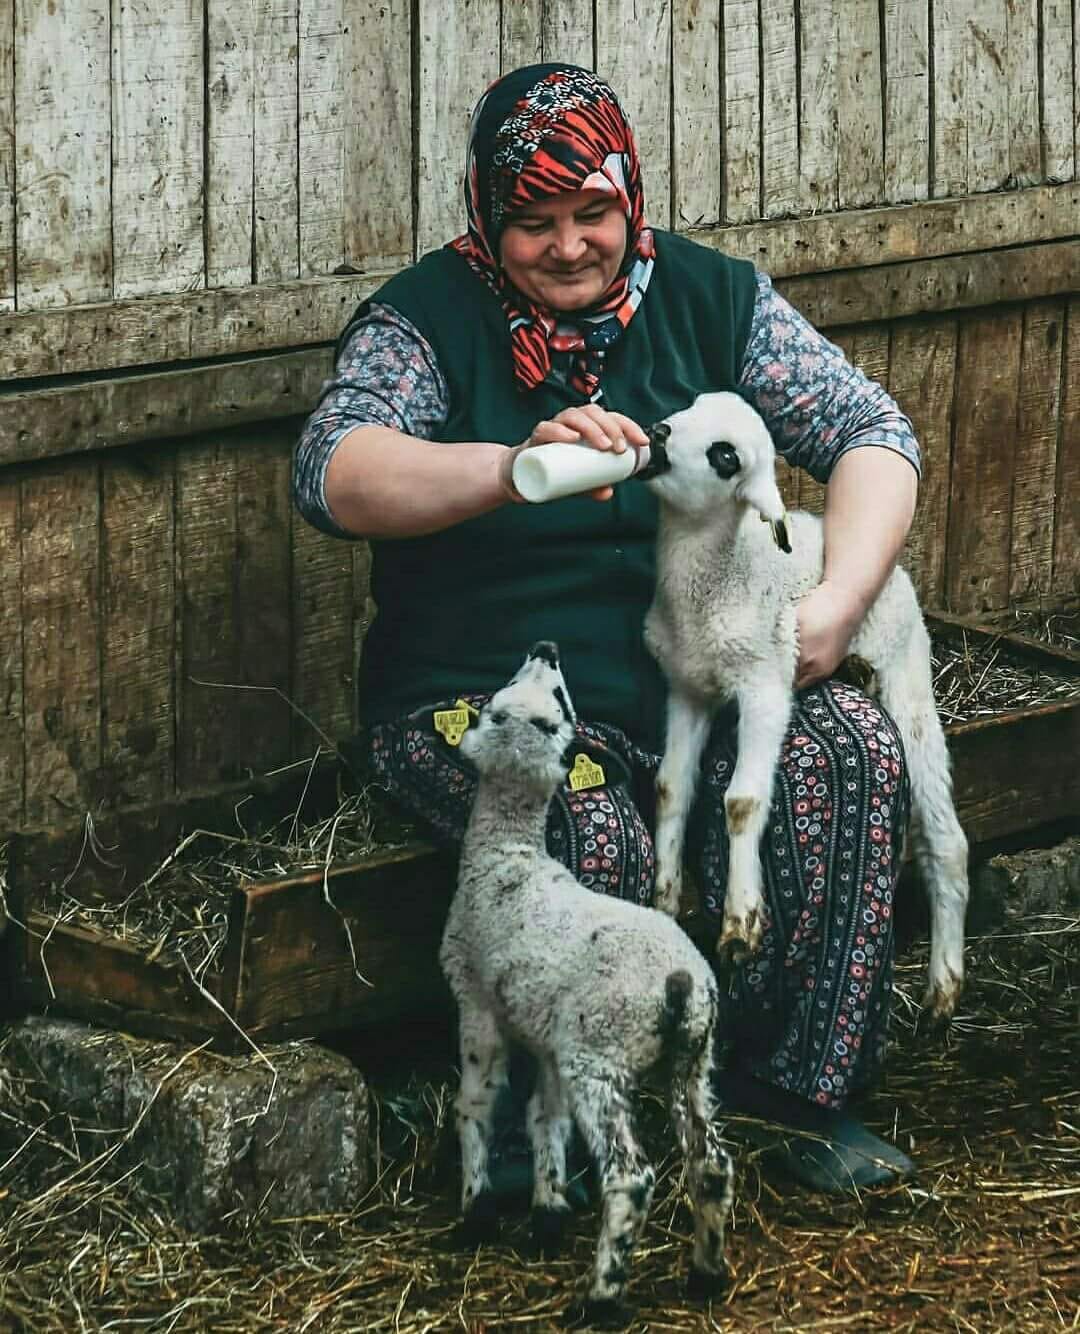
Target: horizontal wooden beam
pixel 100 413
pixel 863 238
pixel 935 286
pixel 195 326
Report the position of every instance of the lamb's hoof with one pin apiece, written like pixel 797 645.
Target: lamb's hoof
pixel 480 1222
pixel 739 939
pixel 597 1313
pixel 701 1286
pixel 667 898
pixel 940 1002
pixel 548 1227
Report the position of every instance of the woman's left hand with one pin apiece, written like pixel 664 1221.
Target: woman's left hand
pixel 827 617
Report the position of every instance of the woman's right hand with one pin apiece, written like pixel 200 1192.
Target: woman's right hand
pixel 588 425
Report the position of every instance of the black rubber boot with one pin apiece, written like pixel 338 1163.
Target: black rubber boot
pixel 823 1149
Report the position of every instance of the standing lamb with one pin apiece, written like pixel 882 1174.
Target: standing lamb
pixel 723 627
pixel 601 991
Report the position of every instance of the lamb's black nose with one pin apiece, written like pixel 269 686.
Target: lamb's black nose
pixel 546 651
pixel 658 456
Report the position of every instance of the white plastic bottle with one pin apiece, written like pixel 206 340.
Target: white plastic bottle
pixel 549 472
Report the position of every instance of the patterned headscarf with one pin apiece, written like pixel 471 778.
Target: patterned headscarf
pixel 539 132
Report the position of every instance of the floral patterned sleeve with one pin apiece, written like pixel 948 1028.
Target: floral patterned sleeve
pixel 386 375
pixel 815 402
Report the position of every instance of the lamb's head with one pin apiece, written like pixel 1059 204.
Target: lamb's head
pixel 525 729
pixel 716 451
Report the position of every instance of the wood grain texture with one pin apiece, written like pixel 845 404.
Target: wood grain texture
pixel 981 485
pixel 819 104
pixel 633 52
pixel 1058 115
pixel 568 31
pixel 1038 425
pixel 860 148
pixel 12 759
pixel 157 146
pixel 138 655
pixel 1021 54
pixel 780 127
pixel 907 99
pixel 7 155
pixel 459 57
pixel 324 72
pixel 63 219
pixel 921 378
pixel 323 642
pixel 1066 575
pixel 276 167
pixel 741 106
pixel 61 624
pixel 522 33
pixel 697 114
pixel 230 143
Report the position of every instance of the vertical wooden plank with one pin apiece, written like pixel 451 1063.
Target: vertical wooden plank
pixel 230 143
pixel 949 41
pixel 1066 576
pixel 1038 421
pixel 378 166
pixel 12 758
pixel 205 574
pixel 522 41
pixel 907 100
pixel 138 614
pixel 263 612
pixel 321 135
pixel 980 505
pixel 7 155
pixel 1021 59
pixel 323 667
pixel 459 58
pixel 568 31
pixel 632 37
pixel 818 105
pixel 921 378
pixel 62 166
pixel 859 105
pixel 780 110
pixel 987 111
pixel 157 152
pixel 61 622
pixel 696 166
pixel 276 165
pixel 1058 143
pixel 741 145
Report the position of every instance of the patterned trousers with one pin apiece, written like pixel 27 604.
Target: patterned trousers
pixel 809 1011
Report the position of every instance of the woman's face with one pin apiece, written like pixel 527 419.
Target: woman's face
pixel 565 252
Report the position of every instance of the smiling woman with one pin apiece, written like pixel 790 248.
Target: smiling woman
pixel 560 315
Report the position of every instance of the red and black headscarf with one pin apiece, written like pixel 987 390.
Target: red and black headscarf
pixel 542 131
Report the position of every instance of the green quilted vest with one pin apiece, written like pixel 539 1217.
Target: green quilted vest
pixel 458 609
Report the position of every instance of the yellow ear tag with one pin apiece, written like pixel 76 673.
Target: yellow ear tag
pixel 585 774
pixel 452 724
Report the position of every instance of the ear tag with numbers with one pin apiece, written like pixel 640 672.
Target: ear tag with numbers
pixel 585 774
pixel 452 724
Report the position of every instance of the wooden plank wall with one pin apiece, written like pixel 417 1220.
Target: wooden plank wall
pixel 179 246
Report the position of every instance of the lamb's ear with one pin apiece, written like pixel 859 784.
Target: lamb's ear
pixel 759 489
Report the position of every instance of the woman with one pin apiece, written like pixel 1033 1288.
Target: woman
pixel 561 316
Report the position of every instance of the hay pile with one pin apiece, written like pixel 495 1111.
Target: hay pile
pixel 989 1238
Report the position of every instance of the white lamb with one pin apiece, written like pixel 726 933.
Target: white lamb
pixel 599 990
pixel 723 626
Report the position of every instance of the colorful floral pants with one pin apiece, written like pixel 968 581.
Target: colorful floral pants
pixel 809 1011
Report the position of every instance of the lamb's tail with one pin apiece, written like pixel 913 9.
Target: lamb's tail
pixel 675 1011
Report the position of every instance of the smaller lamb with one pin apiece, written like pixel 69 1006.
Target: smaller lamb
pixel 723 626
pixel 599 990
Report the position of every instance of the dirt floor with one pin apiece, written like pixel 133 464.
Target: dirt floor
pixel 988 1238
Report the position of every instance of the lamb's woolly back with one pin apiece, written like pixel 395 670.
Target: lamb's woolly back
pixel 600 990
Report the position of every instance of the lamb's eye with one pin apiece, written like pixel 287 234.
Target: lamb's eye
pixel 548 728
pixel 723 459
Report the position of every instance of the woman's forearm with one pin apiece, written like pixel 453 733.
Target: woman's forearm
pixel 869 505
pixel 382 483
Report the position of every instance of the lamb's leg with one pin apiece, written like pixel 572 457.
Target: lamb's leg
pixel 764 710
pixel 709 1169
pixel 550 1127
pixel 938 841
pixel 687 731
pixel 602 1111
pixel 483 1073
